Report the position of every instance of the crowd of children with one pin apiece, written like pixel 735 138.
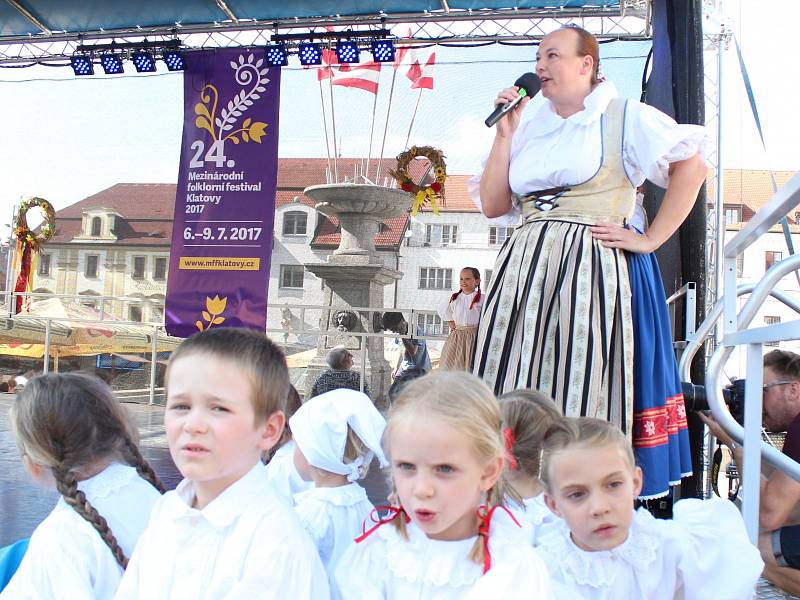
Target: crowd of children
pixel 489 498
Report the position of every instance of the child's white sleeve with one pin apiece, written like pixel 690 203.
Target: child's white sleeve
pixel 316 521
pixel 445 309
pixel 361 573
pixel 717 559
pixel 49 570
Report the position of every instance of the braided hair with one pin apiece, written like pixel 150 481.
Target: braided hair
pixel 69 422
pixel 477 275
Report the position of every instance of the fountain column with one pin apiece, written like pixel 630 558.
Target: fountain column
pixel 354 275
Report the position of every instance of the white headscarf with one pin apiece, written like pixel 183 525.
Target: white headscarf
pixel 319 428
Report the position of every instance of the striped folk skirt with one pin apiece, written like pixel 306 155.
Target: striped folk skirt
pixel 558 319
pixel 458 349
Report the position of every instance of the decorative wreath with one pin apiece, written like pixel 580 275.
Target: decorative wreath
pixel 422 194
pixel 24 234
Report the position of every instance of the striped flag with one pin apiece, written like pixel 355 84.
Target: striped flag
pixel 424 76
pixel 364 76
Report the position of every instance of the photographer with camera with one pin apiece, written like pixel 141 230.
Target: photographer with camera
pixel 780 494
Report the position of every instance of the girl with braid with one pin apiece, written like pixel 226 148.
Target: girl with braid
pixel 462 312
pixel 75 437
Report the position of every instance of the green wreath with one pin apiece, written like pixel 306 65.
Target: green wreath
pixel 24 234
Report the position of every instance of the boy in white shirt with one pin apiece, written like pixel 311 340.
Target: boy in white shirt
pixel 224 532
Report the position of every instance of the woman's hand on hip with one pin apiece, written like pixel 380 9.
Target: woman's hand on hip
pixel 614 236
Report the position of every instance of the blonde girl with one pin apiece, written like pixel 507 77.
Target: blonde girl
pixel 446 534
pixel 462 312
pixel 75 437
pixel 603 549
pixel 527 416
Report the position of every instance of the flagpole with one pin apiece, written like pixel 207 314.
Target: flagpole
pixel 325 125
pixel 371 130
pixel 414 116
pixel 333 120
pixel 385 128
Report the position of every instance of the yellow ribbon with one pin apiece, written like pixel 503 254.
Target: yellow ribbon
pixel 423 196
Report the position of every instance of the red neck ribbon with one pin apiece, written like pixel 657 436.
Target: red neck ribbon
pixel 485 515
pixel 374 516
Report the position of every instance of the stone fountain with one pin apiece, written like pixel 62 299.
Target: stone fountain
pixel 354 276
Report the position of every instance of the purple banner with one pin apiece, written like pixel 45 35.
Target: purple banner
pixel 225 200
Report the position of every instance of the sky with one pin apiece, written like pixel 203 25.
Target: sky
pixel 65 138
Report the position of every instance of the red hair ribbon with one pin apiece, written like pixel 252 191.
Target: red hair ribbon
pixel 485 515
pixel 509 439
pixel 374 516
pixel 475 300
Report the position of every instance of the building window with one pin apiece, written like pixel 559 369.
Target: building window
pixel 135 313
pixel 160 268
pixel 157 314
pixel 771 320
pixel 771 257
pixel 97 225
pixel 429 325
pixel 740 266
pixel 292 276
pixel 498 235
pixel 294 223
pixel 92 262
pixel 431 278
pixel 44 264
pixel 440 235
pixel 733 214
pixel 138 267
pixel 487 279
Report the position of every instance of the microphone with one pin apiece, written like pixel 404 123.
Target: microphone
pixel 529 85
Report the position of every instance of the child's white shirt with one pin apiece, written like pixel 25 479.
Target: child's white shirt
pixel 385 566
pixel 67 558
pixel 534 517
pixel 703 552
pixel 459 309
pixel 333 517
pixel 246 543
pixel 283 474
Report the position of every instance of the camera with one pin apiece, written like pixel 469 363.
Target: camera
pixel 694 396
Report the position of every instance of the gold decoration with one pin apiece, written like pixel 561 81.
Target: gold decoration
pixel 214 308
pixel 24 234
pixel 422 194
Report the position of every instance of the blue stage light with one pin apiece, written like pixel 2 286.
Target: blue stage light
pixel 277 55
pixel 112 64
pixel 144 62
pixel 174 61
pixel 347 52
pixel 82 65
pixel 310 54
pixel 383 51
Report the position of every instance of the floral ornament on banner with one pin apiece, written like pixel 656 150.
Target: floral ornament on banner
pixel 29 243
pixel 248 74
pixel 214 308
pixel 422 194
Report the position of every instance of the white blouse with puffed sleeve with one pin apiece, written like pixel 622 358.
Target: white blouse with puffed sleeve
pixel 703 552
pixel 550 151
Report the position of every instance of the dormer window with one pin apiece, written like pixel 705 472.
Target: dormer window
pixel 97 225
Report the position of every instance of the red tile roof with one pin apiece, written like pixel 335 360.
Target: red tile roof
pixel 751 189
pixel 328 233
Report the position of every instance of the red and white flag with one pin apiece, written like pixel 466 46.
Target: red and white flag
pixel 364 76
pixel 424 78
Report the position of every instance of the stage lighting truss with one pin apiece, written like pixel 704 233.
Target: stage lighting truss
pixel 174 60
pixel 277 56
pixel 347 52
pixel 144 62
pixel 310 54
pixel 112 64
pixel 383 51
pixel 82 65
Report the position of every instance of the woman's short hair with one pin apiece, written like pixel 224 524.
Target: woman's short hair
pixel 337 357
